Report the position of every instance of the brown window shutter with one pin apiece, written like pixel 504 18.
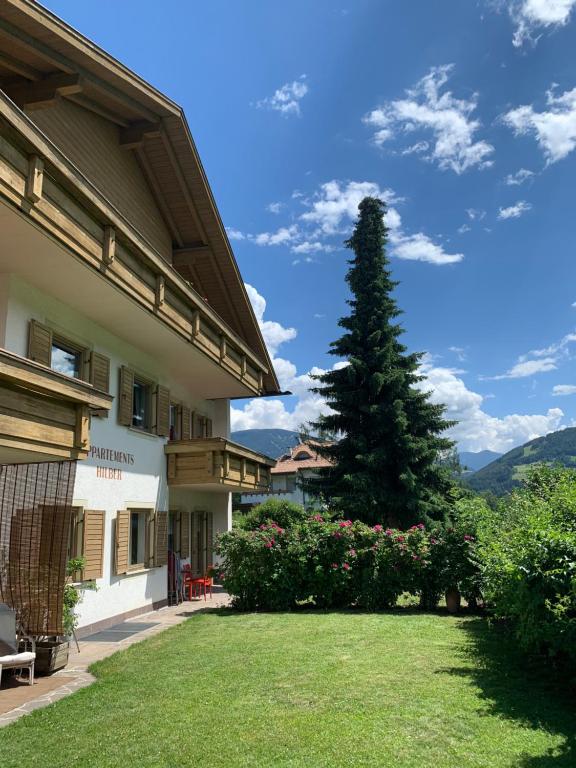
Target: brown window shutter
pixel 184 534
pixel 122 537
pixel 198 425
pixel 125 404
pixel 100 372
pixel 93 544
pixel 209 539
pixel 208 427
pixel 162 411
pixel 185 423
pixel 195 552
pixel 39 343
pixel 161 539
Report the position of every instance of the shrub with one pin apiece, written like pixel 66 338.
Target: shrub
pixel 339 564
pixel 528 562
pixel 281 511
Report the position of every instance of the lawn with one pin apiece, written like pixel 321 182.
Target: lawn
pixel 338 689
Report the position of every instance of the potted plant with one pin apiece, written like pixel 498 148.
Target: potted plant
pixel 52 652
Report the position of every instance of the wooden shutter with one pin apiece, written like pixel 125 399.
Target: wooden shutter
pixel 39 343
pixel 208 429
pixel 93 543
pixel 185 422
pixel 122 536
pixel 195 554
pixel 184 534
pixel 161 539
pixel 209 540
pixel 126 396
pixel 198 425
pixel 100 372
pixel 162 411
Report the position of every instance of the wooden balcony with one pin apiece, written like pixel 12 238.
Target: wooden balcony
pixel 44 416
pixel 217 464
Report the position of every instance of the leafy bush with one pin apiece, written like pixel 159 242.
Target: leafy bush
pixel 339 564
pixel 281 511
pixel 528 562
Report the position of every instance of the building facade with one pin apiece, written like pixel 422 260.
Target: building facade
pixel 125 328
pixel 301 463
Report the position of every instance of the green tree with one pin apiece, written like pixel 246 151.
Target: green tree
pixel 385 464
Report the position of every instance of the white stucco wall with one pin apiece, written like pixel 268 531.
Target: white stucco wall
pixel 141 484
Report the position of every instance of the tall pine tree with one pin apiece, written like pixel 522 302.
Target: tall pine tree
pixel 385 464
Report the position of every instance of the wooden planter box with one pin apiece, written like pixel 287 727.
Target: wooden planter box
pixel 51 655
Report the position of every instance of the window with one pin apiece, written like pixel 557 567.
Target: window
pixel 302 456
pixel 141 404
pixel 67 358
pixel 290 483
pixel 75 534
pixel 140 538
pixel 175 422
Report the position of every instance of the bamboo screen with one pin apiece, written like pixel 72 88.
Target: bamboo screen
pixel 35 516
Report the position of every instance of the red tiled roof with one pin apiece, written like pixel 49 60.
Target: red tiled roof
pixel 289 463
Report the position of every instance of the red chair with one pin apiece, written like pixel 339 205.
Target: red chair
pixel 187 581
pixel 203 583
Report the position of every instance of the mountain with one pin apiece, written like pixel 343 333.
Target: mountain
pixel 505 473
pixel 475 461
pixel 272 442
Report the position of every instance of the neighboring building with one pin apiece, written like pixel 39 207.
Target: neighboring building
pixel 302 461
pixel 125 328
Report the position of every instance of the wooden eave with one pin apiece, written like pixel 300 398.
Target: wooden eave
pixel 204 444
pixel 36 48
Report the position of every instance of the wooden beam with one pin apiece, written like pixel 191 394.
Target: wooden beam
pixel 109 246
pixel 135 134
pixel 43 93
pixel 158 197
pixel 35 179
pixel 160 290
pixel 182 184
pixel 98 109
pixel 19 67
pixel 195 324
pixel 223 348
pixel 61 62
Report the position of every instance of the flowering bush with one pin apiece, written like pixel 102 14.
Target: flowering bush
pixel 340 564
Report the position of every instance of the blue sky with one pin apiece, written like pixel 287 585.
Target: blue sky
pixel 461 113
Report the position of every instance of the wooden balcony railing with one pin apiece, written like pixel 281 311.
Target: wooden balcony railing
pixel 44 415
pixel 217 464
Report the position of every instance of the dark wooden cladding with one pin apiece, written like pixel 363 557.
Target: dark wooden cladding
pixel 35 515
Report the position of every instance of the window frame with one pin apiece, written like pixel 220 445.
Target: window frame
pixel 148 516
pixel 64 343
pixel 149 415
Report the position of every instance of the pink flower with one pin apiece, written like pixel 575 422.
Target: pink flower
pixel 346 566
pixel 378 528
pixel 345 523
pixel 270 543
pixel 421 526
pixel 415 557
pixel 468 538
pixel 337 535
pixel 263 527
pixel 334 566
pixel 433 541
pixel 400 538
pixel 352 552
pixel 388 531
pixel 318 518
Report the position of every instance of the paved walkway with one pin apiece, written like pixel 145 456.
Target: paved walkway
pixel 47 690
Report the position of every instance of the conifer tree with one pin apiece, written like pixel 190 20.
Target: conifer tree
pixel 385 464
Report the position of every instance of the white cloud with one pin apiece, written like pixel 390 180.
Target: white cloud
pixel 235 234
pixel 477 430
pixel 274 207
pixel 282 236
pixel 528 368
pixel 311 247
pixel 530 16
pixel 515 179
pixel 554 129
pixel 514 211
pixel 274 333
pixel 336 205
pixel 460 353
pixel 463 229
pixel 475 214
pixel 287 98
pixel 428 108
pixel 564 389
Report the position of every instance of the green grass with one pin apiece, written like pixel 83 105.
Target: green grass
pixel 340 689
